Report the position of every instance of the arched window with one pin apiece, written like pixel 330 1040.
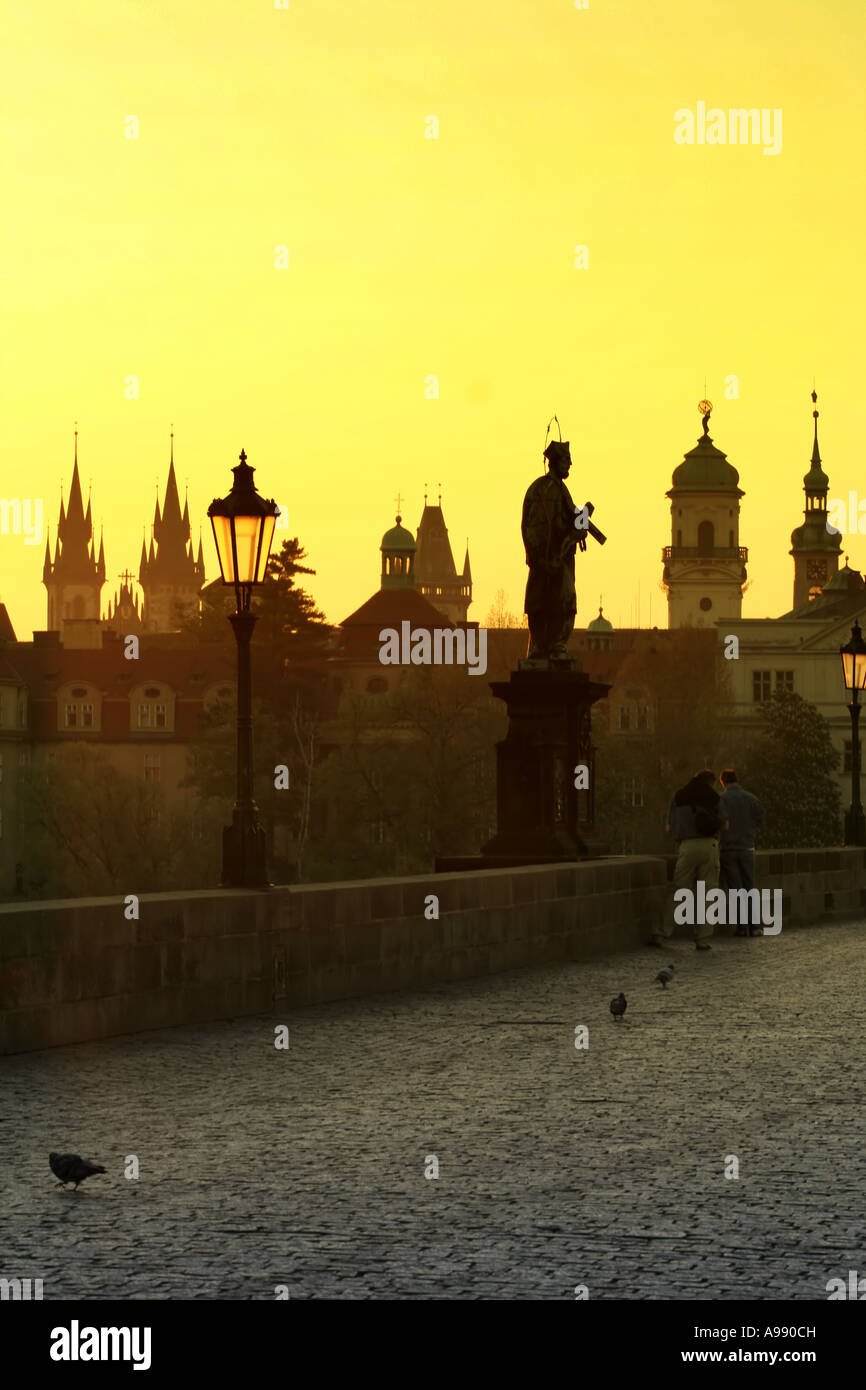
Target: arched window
pixel 78 606
pixel 706 536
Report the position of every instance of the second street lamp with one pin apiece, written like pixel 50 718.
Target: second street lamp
pixel 243 526
pixel 853 656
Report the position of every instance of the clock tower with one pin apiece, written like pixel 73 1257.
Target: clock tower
pixel 705 565
pixel 814 548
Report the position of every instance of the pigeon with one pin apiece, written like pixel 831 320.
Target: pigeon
pixel 665 975
pixel 73 1168
pixel 618 1006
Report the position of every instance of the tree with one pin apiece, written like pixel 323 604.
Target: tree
pixel 499 615
pixel 411 776
pixel 85 829
pixel 679 678
pixel 790 767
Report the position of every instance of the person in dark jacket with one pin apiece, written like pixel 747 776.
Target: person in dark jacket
pixel 743 813
pixel 695 822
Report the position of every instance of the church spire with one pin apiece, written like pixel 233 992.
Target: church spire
pixel 816 456
pixel 815 545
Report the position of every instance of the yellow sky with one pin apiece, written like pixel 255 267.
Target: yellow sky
pixel 411 257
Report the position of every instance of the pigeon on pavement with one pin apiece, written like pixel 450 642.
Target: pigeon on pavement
pixel 72 1168
pixel 665 975
pixel 618 1006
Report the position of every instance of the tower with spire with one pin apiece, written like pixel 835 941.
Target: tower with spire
pixel 705 565
pixel 75 576
pixel 436 574
pixel 170 575
pixel 814 548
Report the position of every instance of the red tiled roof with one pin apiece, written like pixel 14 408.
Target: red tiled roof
pixel 390 607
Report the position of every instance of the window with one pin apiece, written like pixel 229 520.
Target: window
pixel 760 687
pixel 624 718
pixel 784 682
pixel 706 536
pixel 643 718
pixel 151 767
pixel 377 832
pixel 78 715
pixel 706 604
pixel 151 715
pixel 636 792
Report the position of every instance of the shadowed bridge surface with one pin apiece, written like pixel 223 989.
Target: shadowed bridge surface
pixel 558 1167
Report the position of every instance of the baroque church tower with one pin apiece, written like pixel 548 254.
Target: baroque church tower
pixel 814 548
pixel 75 577
pixel 170 576
pixel 705 565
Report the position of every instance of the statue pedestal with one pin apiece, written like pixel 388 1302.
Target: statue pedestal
pixel 541 816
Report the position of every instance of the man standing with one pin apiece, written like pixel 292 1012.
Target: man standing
pixel 743 813
pixel 550 538
pixel 694 820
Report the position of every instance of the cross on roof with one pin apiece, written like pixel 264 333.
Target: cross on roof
pixel 126 577
pixel 399 500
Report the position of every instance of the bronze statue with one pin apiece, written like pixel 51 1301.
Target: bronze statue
pixel 550 538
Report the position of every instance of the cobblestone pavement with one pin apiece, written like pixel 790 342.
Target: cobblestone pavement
pixel 558 1167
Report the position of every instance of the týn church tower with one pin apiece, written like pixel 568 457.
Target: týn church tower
pixel 75 577
pixel 705 565
pixel 170 576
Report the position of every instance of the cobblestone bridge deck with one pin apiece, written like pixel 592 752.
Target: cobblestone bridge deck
pixel 557 1167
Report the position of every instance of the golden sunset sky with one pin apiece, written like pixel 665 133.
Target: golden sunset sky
pixel 411 257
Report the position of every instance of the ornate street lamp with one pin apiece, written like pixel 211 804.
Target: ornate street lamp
pixel 853 656
pixel 243 527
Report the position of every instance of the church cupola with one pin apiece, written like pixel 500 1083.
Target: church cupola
pixel 705 565
pixel 398 557
pixel 815 549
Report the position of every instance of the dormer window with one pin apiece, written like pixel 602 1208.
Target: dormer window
pixel 78 714
pixel 151 714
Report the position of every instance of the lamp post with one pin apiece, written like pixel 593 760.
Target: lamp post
pixel 243 527
pixel 853 656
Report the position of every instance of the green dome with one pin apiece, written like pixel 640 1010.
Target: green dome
pixel 816 479
pixel 705 469
pixel 812 534
pixel 398 538
pixel 599 624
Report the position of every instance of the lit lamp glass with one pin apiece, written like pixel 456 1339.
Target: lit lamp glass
pixel 243 527
pixel 854 660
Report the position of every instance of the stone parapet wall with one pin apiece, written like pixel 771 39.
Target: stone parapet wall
pixel 78 970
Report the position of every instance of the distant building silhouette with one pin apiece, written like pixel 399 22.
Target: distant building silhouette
pixel 435 573
pixel 75 577
pixel 814 548
pixel 705 565
pixel 170 576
